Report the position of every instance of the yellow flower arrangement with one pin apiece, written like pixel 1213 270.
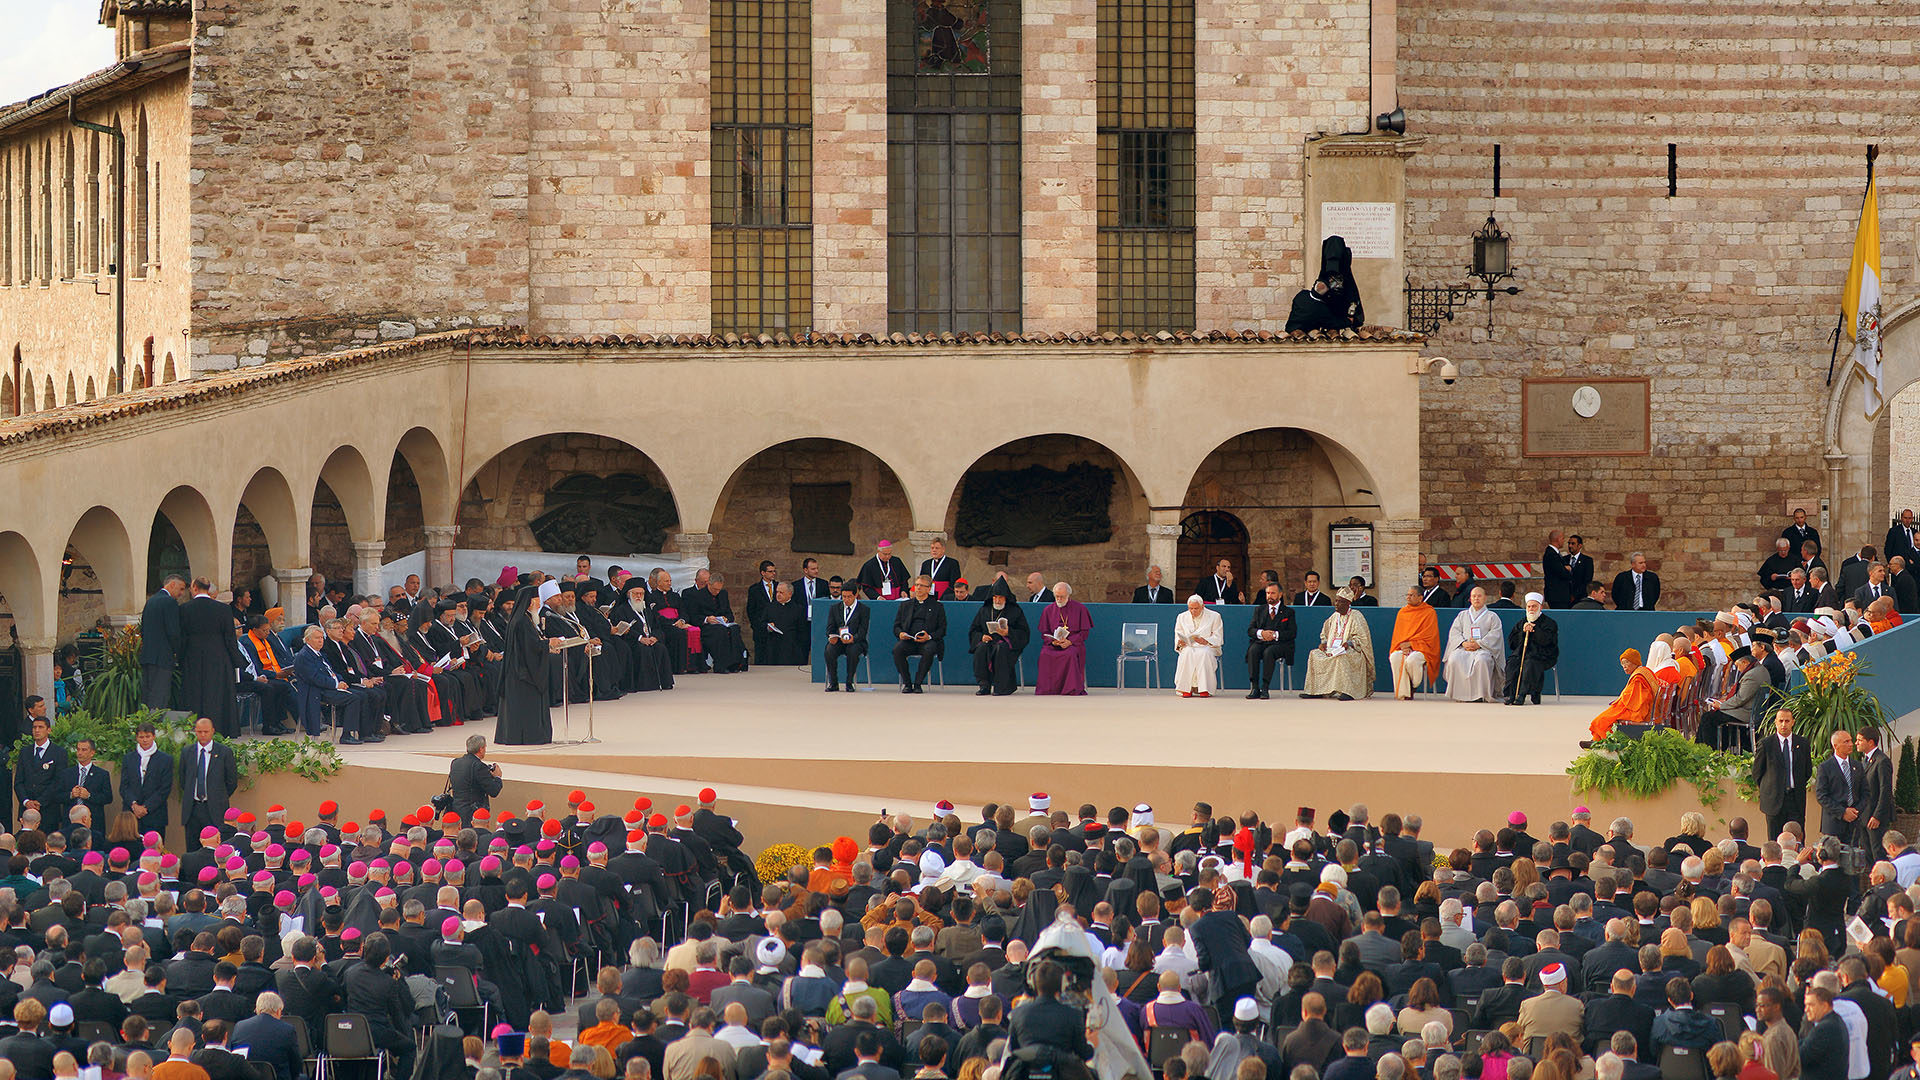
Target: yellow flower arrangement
pixel 1831 673
pixel 773 863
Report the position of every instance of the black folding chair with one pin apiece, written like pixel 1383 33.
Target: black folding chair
pixel 1682 1063
pixel 349 1039
pixel 463 996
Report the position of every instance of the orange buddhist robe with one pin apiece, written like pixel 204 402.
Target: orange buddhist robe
pixel 1634 705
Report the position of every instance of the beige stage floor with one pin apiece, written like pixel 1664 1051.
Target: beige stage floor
pixel 796 764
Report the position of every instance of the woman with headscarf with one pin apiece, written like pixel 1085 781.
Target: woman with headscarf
pixel 1333 303
pixel 1635 703
pixel 649 661
pixel 996 649
pixel 1083 890
pixel 525 717
pixel 1196 640
pixel 1660 661
pixel 1035 915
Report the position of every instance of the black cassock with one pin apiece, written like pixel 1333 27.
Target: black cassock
pixel 442 641
pixel 790 645
pixel 1542 648
pixel 718 642
pixel 994 663
pixel 649 667
pixel 209 658
pixel 567 673
pixel 488 670
pixel 447 686
pixel 609 668
pixel 667 608
pixel 406 695
pixel 525 717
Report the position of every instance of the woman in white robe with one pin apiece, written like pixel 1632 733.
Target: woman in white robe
pixel 1196 637
pixel 1476 653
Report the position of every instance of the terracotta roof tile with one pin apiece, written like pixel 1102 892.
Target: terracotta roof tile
pixel 67 419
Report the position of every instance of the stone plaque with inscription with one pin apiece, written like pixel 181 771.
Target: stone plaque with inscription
pixel 1577 417
pixel 1367 227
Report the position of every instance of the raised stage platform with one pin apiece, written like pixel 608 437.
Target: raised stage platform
pixel 795 764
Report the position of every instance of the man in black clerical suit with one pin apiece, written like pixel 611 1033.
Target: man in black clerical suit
pixel 672 621
pixel 940 569
pixel 919 628
pixel 846 636
pixel 1310 594
pixel 707 606
pixel 1270 640
pixel 1432 593
pixel 1220 588
pixel 761 601
pixel 884 576
pixel 1153 592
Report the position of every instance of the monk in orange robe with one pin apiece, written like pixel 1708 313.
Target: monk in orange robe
pixel 1635 703
pixel 1416 645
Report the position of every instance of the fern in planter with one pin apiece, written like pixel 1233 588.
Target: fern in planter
pixel 1646 767
pixel 1906 785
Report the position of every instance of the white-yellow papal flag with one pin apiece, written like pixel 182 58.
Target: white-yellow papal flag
pixel 1860 307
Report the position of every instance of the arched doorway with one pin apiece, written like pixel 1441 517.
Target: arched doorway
pixel 1206 537
pixel 807 498
pixel 1063 506
pixel 566 492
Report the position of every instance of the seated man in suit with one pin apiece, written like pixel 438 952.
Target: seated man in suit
pixel 1220 588
pixel 846 636
pixel 264 678
pixel 267 1037
pixel 317 684
pixel 1636 588
pixel 920 627
pixel 1270 641
pixel 1153 592
pixel 1310 594
pixel 1356 591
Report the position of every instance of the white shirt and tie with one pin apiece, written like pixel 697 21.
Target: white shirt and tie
pixel 203 765
pixel 1639 601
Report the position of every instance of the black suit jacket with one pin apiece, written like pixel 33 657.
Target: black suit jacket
pixel 1877 801
pixel 1609 1013
pixel 1865 594
pixel 806 602
pixel 1210 591
pixel 932 617
pixel 99 791
pixel 38 778
pixel 271 1040
pixel 472 783
pixel 223 778
pixel 1623 591
pixel 1835 795
pixel 1899 543
pixel 1280 621
pixel 1823 1049
pixel 1579 575
pixel 837 619
pixel 1320 599
pixel 1141 595
pixel 151 793
pixel 1782 781
pixel 160 630
pixel 1553 567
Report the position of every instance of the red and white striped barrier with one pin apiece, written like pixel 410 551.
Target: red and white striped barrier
pixel 1483 571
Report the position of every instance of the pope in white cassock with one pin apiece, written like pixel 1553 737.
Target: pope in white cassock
pixel 1196 637
pixel 1476 652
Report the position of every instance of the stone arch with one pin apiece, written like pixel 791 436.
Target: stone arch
pixel 72 392
pixel 845 496
pixel 91 392
pixel 1857 457
pixel 8 401
pixel 100 538
pixel 48 401
pixel 166 374
pixel 1100 570
pixel 25 587
pixel 268 505
pixel 186 513
pixel 346 474
pixel 1287 485
pixel 426 458
pixel 504 504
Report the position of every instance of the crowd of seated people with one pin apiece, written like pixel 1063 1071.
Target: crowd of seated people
pixel 1094 942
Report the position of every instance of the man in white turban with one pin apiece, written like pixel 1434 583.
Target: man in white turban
pixel 1196 638
pixel 1534 650
pixel 1476 652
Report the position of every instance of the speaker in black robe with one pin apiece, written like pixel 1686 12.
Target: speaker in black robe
pixel 525 716
pixel 567 674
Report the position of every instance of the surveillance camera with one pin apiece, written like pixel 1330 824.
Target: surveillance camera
pixel 1449 371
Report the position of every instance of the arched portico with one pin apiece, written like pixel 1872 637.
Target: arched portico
pixel 1857 460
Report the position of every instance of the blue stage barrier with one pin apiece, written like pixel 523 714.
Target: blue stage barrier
pixel 1893 677
pixel 1590 643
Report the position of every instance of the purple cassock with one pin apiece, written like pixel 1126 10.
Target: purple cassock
pixel 1064 670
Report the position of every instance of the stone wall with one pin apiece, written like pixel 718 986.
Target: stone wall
pixel 619 161
pixel 1099 573
pixel 1266 76
pixel 64 329
pixel 850 194
pixel 1059 164
pixel 364 178
pixel 1725 294
pixel 754 520
pixel 510 492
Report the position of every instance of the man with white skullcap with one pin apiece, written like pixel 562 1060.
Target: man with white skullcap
pixel 1532 649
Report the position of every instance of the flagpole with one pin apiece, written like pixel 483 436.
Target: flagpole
pixel 1840 322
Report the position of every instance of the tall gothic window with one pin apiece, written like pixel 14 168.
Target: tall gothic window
pixel 762 166
pixel 1146 165
pixel 953 166
pixel 142 238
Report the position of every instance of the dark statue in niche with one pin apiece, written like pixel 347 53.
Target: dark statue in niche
pixel 822 518
pixel 618 513
pixel 1036 507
